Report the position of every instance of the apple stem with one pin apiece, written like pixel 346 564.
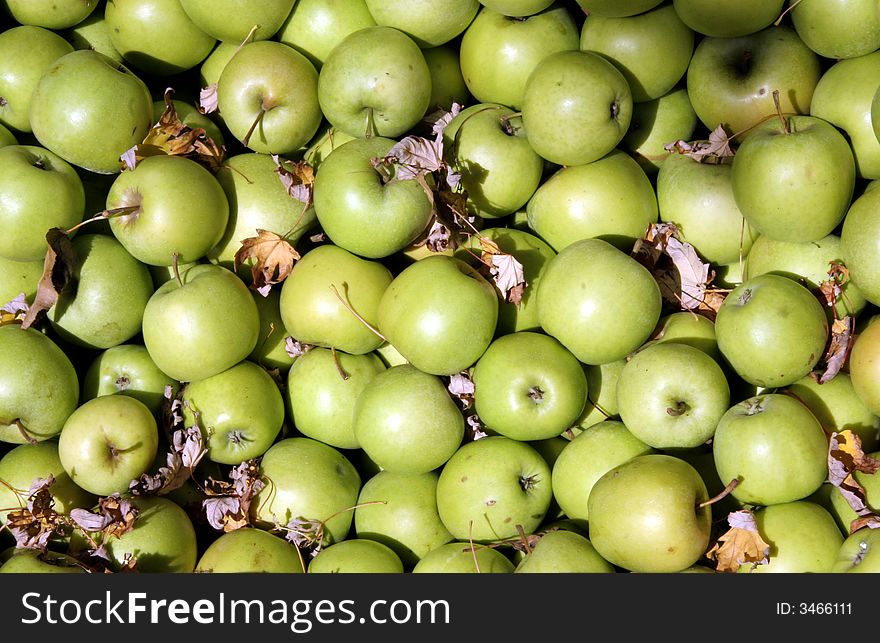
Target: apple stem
pixel 524 539
pixel 473 549
pixel 369 326
pixel 247 137
pixel 680 409
pixel 786 12
pixel 371 124
pixel 505 123
pixel 336 362
pixel 176 268
pixel 785 125
pixel 724 493
pixel 106 214
pixel 21 429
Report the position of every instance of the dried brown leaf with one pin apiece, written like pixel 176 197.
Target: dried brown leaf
pixel 505 271
pixel 740 545
pixel 273 258
pixel 187 450
pixel 227 506
pixel 714 150
pixel 839 346
pixel 58 268
pixel 845 457
pixel 295 348
pixel 208 99
pixel 113 518
pixel 34 524
pixel 297 177
pixel 14 311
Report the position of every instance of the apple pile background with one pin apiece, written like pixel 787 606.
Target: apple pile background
pixel 439 286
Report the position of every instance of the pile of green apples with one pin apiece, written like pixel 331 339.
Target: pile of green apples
pixel 373 286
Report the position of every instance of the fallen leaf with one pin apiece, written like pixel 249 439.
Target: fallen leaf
pixel 113 518
pixel 273 258
pixel 208 99
pixel 410 158
pixel 505 271
pixel 845 457
pixel 461 387
pixel 34 524
pixel 740 545
pixel 227 506
pixel 714 150
pixel 14 311
pixel 294 348
pixel 297 177
pixel 305 533
pixel 839 346
pixel 187 450
pixel 58 268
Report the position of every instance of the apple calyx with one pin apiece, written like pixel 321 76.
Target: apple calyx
pixel 753 406
pixel 536 394
pixel 528 483
pixel 745 297
pixel 3 102
pixel 122 383
pixel 681 408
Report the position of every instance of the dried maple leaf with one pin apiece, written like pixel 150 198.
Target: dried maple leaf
pixel 839 346
pixel 34 524
pixel 410 158
pixel 845 457
pixel 461 387
pixel 173 137
pixel 187 450
pixel 273 258
pixel 227 507
pixel 505 271
pixel 113 518
pixel 742 544
pixel 295 348
pixel 439 119
pixel 58 268
pixel 297 177
pixel 714 150
pixel 14 311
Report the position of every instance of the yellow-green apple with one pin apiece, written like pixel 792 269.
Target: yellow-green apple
pixel 106 460
pixel 201 325
pixel 127 369
pixel 93 33
pixel 18 277
pixel 491 488
pixel 655 124
pixel 517 8
pixel 34 561
pixel 730 81
pixel 447 82
pixel 598 301
pixel 315 27
pixel 271 350
pixel 233 20
pixel 728 18
pixel 89 110
pixel 685 327
pixel 774 446
pixel 39 190
pixel 448 330
pixel 322 389
pixel 39 386
pixel 601 395
pixel 498 52
pixel 353 98
pixel 771 330
pixel 249 551
pixel 864 366
pixel 328 297
pixel 859 244
pixel 610 198
pixel 356 556
pixel 464 558
pixel 629 43
pixel 7 137
pixel 51 14
pixel 837 28
pixel 563 551
pixel 429 23
pixel 617 8
pixel 26 53
pixel 646 515
pixel 855 554
pixel 400 510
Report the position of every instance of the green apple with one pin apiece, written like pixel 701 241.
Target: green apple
pixel 90 110
pixel 774 446
pixel 6 137
pixel 105 461
pixel 610 198
pixel 630 44
pixel 563 551
pixel 26 52
pixel 51 14
pixel 162 541
pixel 858 244
pixel 322 389
pixel 576 107
pixel 406 422
pixel 429 23
pixel 731 80
pixel 39 387
pixel 310 480
pixel 672 395
pixel 499 169
pixel 447 331
pixel 499 52
pixel 268 97
pixel 39 190
pixel 837 407
pixel 239 411
pixel 33 561
pixel 328 297
pixel 599 302
pixel 106 284
pixel 533 253
pixel 685 327
pixel 359 211
pixel 601 395
pixel 354 100
pixel 356 556
pixel 447 82
pixel 528 386
pixel 214 64
pixel 233 20
pixel 517 8
pixel 808 262
pixel 698 198
pixel 202 325
pixel 18 277
pixel 127 369
pixel 156 36
pixel 784 169
pixel 400 510
pixel 464 558
pixel 257 200
pixel 837 28
pixel 93 33
pixel 271 351
pixel 646 515
pixel 24 464
pixel 250 551
pixel 655 124
pixel 771 330
pixel 176 207
pixel 491 488
pixel 864 366
pixel 855 555
pixel 618 8
pixel 803 538
pixel 315 27
pixel 728 18
pixel 595 451
pixel 843 97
